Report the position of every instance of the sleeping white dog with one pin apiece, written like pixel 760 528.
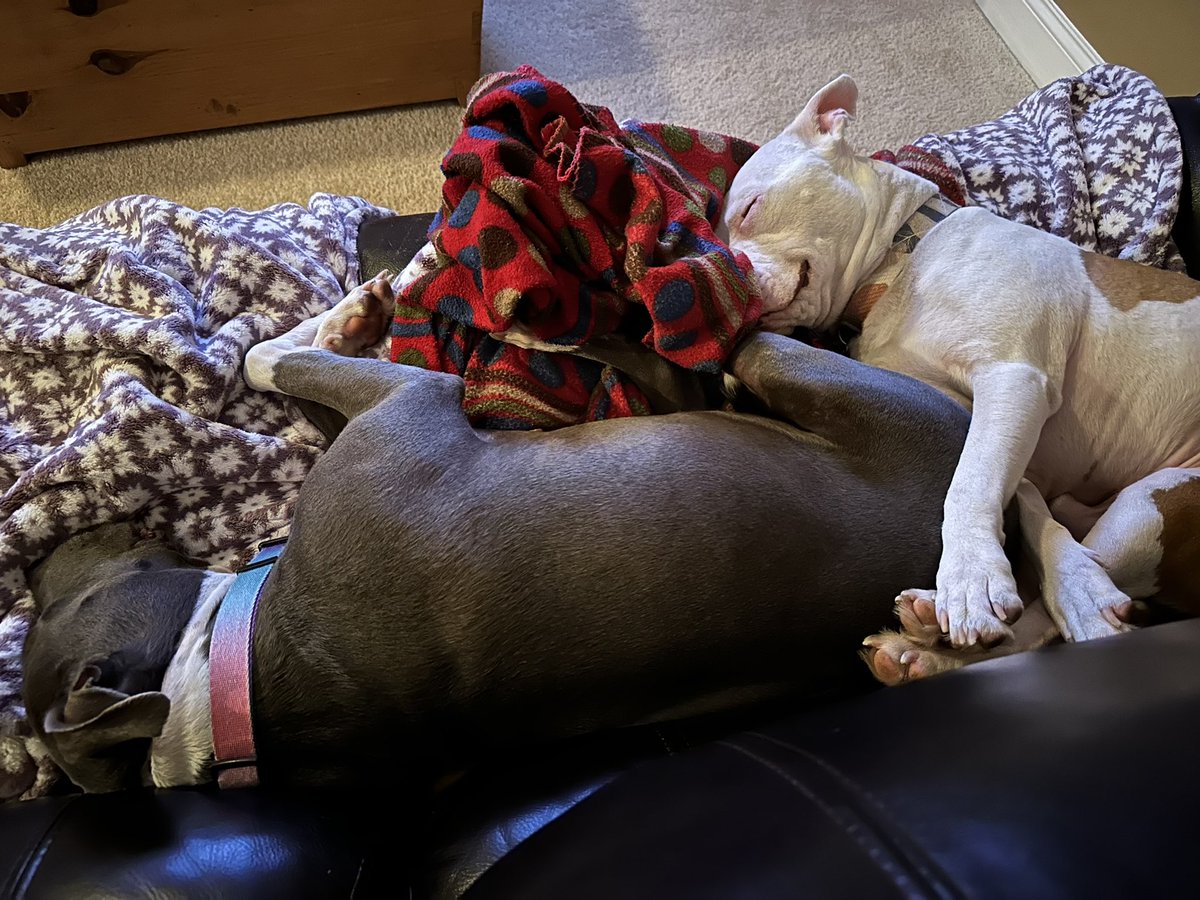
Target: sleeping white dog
pixel 1082 373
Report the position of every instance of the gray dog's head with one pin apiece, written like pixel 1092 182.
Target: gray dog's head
pixel 111 609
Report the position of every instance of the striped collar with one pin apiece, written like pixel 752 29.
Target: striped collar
pixel 875 285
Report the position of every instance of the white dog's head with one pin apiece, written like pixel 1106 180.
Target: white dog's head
pixel 814 218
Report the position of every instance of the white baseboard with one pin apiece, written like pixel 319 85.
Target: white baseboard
pixel 1041 37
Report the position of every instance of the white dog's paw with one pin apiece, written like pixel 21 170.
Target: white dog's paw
pixel 360 320
pixel 895 658
pixel 976 596
pixel 1083 601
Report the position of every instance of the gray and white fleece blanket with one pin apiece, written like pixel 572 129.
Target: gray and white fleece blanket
pixel 1095 159
pixel 122 333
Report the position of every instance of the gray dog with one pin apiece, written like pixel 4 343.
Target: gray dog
pixel 447 592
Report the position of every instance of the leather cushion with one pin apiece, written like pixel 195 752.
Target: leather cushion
pixel 186 843
pixel 1187 224
pixel 390 243
pixel 1064 772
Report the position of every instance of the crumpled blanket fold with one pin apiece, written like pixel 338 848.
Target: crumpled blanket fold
pixel 1095 159
pixel 559 220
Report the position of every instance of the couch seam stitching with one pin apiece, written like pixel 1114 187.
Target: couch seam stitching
pixel 853 829
pixel 929 869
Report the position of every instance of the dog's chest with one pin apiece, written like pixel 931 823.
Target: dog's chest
pixel 886 320
pixel 896 261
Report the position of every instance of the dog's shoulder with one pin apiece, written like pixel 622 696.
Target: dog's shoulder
pixel 969 225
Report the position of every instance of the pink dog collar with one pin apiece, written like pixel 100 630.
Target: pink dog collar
pixel 231 651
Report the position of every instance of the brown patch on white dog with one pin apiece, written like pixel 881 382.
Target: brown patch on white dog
pixel 1126 284
pixel 1179 570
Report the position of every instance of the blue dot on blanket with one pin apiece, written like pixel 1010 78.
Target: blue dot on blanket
pixel 489 350
pixel 454 307
pixel 483 133
pixel 546 369
pixel 471 258
pixel 680 341
pixel 465 209
pixel 531 91
pixel 673 300
pixel 411 329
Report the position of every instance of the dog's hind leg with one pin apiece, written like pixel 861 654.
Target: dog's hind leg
pixel 851 404
pixel 354 385
pixel 919 649
pixel 1145 547
pixel 1148 541
pixel 316 361
pixel 358 321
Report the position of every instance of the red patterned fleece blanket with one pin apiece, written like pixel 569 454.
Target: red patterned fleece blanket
pixel 556 219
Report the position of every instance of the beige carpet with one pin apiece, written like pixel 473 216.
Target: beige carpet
pixel 736 66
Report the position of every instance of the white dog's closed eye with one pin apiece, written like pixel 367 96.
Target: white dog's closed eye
pixel 744 220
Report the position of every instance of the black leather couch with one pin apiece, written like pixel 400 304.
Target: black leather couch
pixel 1069 772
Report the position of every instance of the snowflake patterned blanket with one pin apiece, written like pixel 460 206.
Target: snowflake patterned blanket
pixel 122 330
pixel 122 333
pixel 1095 159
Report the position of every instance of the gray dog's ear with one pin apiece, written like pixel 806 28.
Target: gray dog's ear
pixel 102 735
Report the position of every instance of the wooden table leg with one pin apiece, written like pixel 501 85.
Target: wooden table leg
pixel 11 157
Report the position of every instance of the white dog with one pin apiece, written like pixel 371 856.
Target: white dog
pixel 1082 372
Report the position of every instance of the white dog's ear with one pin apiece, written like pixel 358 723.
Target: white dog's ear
pixel 824 118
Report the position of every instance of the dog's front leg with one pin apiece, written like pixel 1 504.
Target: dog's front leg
pixel 976 593
pixel 1078 593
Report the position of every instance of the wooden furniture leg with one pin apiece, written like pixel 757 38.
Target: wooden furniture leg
pixel 11 158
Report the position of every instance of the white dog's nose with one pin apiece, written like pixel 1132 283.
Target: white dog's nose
pixel 776 287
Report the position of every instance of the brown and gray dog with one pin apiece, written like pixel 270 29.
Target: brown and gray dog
pixel 446 592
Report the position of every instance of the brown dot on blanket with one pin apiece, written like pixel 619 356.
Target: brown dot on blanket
pixel 468 165
pixel 496 246
pixel 741 150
